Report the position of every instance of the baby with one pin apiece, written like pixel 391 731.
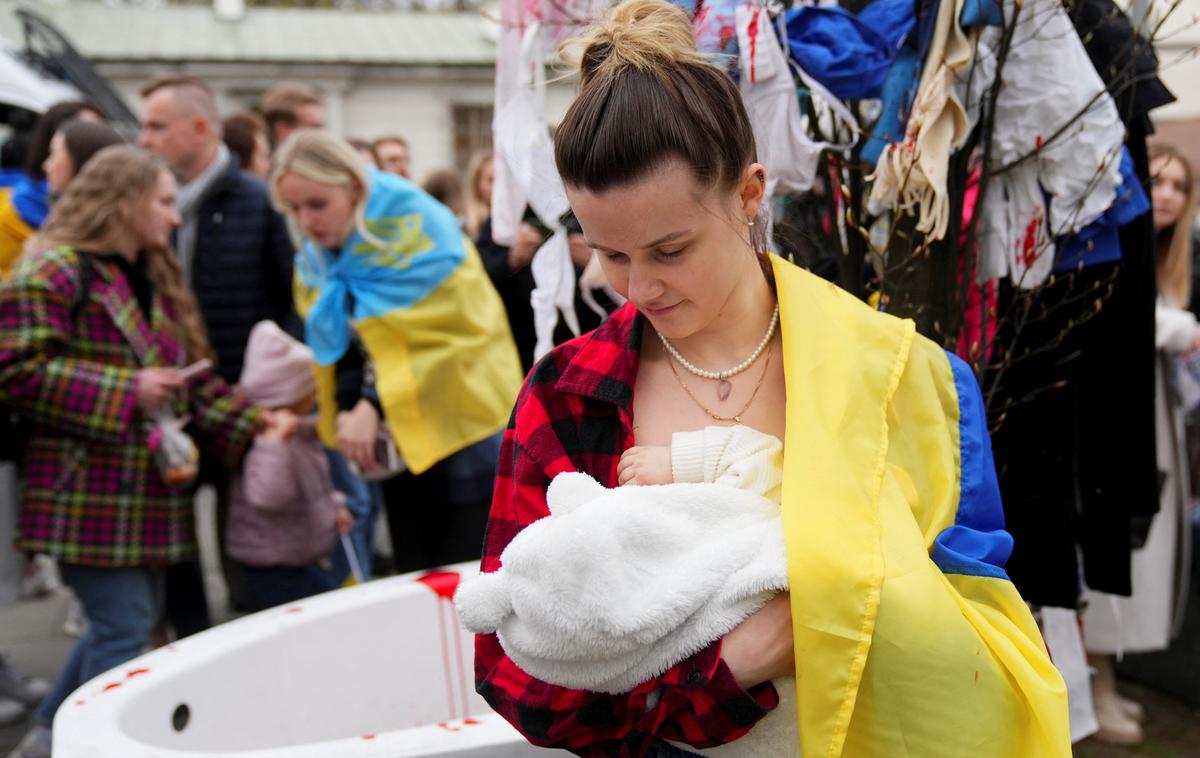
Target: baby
pixel 617 586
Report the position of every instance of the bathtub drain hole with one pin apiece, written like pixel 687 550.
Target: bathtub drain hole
pixel 179 719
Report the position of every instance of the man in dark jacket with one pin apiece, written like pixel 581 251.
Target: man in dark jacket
pixel 236 255
pixel 234 248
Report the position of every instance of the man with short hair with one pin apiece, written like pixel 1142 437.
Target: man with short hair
pixel 393 155
pixel 236 255
pixel 233 247
pixel 288 106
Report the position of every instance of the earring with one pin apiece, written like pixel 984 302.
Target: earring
pixel 750 222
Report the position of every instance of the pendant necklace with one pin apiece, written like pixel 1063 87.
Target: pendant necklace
pixel 737 417
pixel 722 377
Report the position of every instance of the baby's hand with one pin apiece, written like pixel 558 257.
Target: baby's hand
pixel 345 521
pixel 645 465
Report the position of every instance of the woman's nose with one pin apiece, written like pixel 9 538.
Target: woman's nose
pixel 644 286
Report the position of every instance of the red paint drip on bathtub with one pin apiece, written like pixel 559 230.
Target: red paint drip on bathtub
pixel 80 702
pixel 294 609
pixel 471 722
pixel 137 672
pixel 443 583
pixel 368 736
pixel 112 686
pixel 448 727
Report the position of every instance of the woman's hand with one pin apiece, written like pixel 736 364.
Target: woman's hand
pixel 760 648
pixel 155 386
pixel 356 433
pixel 527 243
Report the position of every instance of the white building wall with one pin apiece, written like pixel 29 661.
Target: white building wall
pixel 1177 44
pixel 416 104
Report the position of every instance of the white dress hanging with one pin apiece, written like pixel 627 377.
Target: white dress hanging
pixel 525 172
pixel 769 94
pixel 1059 135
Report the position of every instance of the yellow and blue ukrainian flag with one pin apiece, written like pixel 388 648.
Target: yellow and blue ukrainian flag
pixel 416 294
pixel 907 629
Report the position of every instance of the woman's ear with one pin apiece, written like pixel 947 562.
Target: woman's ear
pixel 357 193
pixel 753 190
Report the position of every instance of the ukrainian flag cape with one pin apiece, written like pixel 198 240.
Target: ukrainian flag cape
pixel 910 640
pixel 415 291
pixel 20 215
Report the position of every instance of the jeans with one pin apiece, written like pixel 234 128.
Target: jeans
pixel 364 501
pixel 275 585
pixel 122 606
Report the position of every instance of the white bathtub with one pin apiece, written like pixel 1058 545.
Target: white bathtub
pixel 380 670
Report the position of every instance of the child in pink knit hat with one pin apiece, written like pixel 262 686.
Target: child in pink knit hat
pixel 284 513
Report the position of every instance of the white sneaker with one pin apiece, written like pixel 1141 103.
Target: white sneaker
pixel 41 577
pixel 11 711
pixel 75 623
pixel 36 744
pixel 19 686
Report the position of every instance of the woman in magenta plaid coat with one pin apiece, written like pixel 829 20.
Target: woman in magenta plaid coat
pixel 94 329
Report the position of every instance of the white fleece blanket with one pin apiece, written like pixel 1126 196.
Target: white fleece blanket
pixel 616 586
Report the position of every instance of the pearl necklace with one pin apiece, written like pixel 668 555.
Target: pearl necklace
pixel 723 386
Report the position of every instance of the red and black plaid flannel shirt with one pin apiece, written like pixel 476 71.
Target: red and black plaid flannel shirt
pixel 575 414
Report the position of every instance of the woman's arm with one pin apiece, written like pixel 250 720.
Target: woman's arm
pixel 37 323
pixel 225 420
pixel 698 701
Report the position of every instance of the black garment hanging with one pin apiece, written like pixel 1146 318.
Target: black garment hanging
pixel 1075 452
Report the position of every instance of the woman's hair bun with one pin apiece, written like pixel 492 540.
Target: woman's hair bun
pixel 644 35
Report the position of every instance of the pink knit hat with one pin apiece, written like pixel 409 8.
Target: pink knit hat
pixel 278 370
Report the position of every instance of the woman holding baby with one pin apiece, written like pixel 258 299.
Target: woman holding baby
pixel 901 633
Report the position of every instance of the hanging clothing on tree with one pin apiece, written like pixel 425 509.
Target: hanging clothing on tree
pixel 769 93
pixel 1075 467
pixel 1056 141
pixel 1151 616
pixel 911 175
pixel 525 173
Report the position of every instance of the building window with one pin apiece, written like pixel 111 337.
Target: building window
pixel 472 132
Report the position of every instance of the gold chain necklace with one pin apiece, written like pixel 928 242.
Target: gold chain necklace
pixel 737 417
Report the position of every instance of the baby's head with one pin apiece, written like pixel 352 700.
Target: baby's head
pixel 278 371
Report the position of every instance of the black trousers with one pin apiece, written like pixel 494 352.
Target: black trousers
pixel 439 517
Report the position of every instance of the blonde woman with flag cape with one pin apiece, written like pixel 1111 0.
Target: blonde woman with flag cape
pixel 901 631
pixel 410 339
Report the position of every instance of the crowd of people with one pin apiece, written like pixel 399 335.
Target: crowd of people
pixel 251 302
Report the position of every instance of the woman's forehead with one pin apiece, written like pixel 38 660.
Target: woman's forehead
pixel 292 183
pixel 1168 164
pixel 638 214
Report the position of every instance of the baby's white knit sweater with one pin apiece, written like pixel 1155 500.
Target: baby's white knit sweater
pixel 615 587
